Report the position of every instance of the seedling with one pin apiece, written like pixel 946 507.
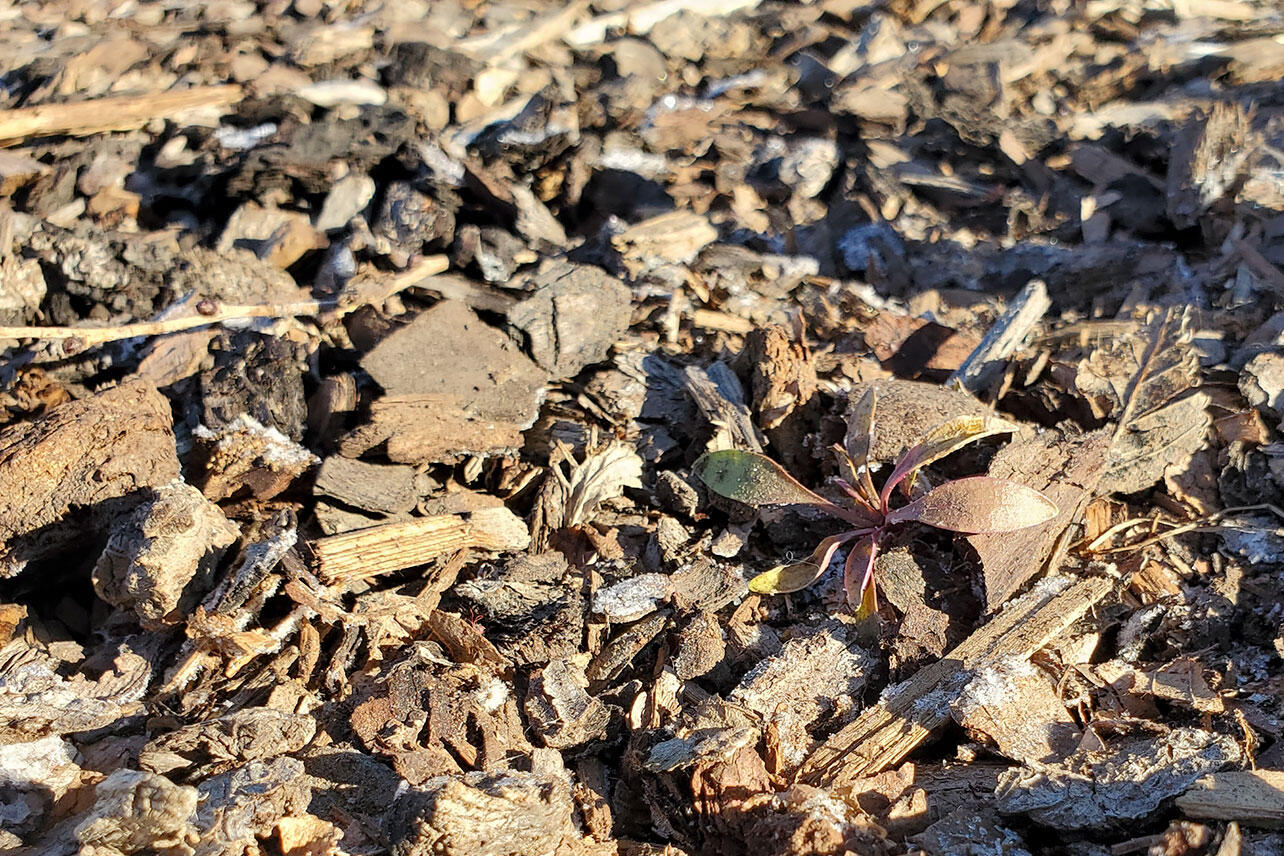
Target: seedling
pixel 973 505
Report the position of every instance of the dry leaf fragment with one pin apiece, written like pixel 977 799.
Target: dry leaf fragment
pixel 603 475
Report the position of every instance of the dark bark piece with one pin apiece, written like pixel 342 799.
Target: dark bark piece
pixel 783 384
pixel 705 585
pixel 413 221
pixel 1064 469
pixel 379 488
pixel 621 650
pixel 153 557
pixel 985 364
pixel 721 399
pixel 533 614
pixel 257 376
pixel 449 350
pixel 700 647
pixel 81 454
pixel 572 318
pixel 784 378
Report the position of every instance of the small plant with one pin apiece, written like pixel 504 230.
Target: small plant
pixel 977 504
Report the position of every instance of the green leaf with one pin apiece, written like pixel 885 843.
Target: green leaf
pixel 754 480
pixel 978 504
pixel 948 437
pixel 783 579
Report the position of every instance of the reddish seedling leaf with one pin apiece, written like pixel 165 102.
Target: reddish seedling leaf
pixel 978 504
pixel 944 439
pixel 858 577
pixel 796 577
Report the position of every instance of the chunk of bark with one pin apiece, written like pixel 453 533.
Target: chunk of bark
pixel 79 455
pixel 967 832
pixel 449 350
pixel 721 399
pixel 1251 797
pixel 909 712
pixel 430 717
pixel 700 746
pixel 914 348
pixel 1181 682
pixel 411 219
pixel 1145 381
pixel 633 598
pixel 421 429
pixel 465 642
pixel 572 318
pixel 815 674
pixel 245 458
pixel 256 376
pixel 983 366
pixel 379 488
pixel 278 237
pixel 904 412
pixel 137 812
pixel 154 556
pixel 1064 469
pixel 675 237
pixel 1126 784
pixel 621 650
pixel 252 734
pixel 1015 705
pixel 1209 160
pixel 33 776
pixel 561 710
pixel 534 613
pixel 506 813
pixel 35 700
pixel 17 170
pixel 701 647
pixel 243 805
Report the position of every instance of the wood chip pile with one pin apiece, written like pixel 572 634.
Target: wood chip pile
pixel 355 357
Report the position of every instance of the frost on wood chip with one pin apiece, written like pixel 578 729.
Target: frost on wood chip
pixel 634 598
